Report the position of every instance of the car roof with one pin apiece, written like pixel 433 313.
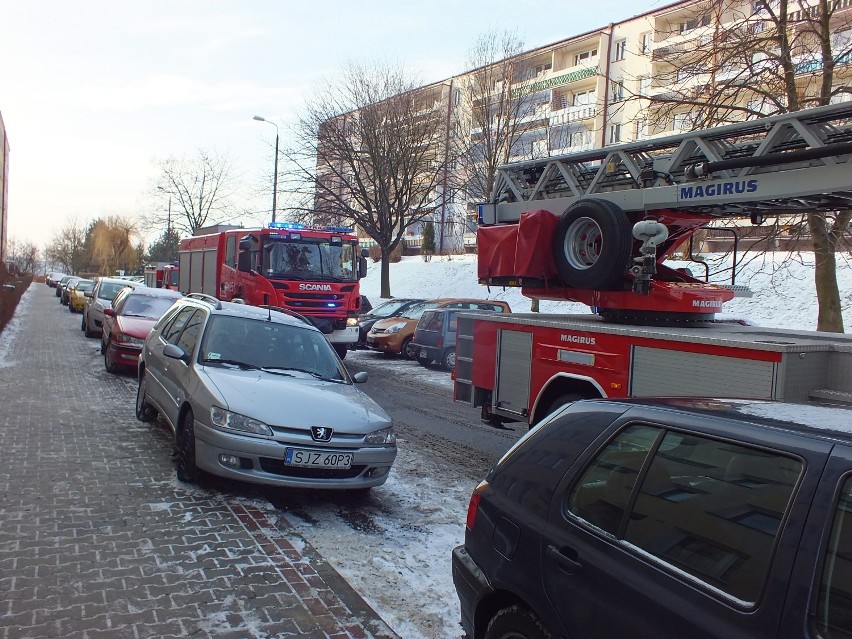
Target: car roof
pixel 119 280
pixel 475 300
pixel 155 292
pixel 246 311
pixel 825 421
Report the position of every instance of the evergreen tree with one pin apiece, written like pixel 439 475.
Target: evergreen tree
pixel 427 241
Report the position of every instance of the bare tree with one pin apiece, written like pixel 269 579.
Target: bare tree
pixel 749 60
pixel 199 191
pixel 67 247
pixel 24 255
pixel 490 109
pixel 370 149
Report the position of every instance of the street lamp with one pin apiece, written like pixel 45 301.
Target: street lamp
pixel 275 174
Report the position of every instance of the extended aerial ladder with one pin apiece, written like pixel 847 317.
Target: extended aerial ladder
pixel 596 226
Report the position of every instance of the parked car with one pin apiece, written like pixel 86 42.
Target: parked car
pixel 77 294
pixel 99 298
pixel 435 334
pixel 128 321
pixel 60 283
pixel 665 518
pixel 53 277
pixel 390 308
pixel 261 396
pixel 65 294
pixel 393 335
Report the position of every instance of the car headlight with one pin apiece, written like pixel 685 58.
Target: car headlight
pixel 384 436
pixel 395 328
pixel 124 338
pixel 352 321
pixel 222 418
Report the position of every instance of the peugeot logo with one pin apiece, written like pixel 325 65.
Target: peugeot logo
pixel 321 433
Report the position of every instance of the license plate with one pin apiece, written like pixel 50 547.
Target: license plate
pixel 423 353
pixel 317 459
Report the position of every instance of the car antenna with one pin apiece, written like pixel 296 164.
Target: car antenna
pixel 268 307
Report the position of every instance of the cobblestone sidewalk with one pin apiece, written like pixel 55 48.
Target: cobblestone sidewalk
pixel 99 540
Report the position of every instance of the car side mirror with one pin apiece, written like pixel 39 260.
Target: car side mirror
pixel 109 312
pixel 362 267
pixel 360 377
pixel 174 352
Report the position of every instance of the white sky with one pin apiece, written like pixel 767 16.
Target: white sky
pixel 93 93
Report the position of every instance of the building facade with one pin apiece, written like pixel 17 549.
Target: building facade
pixel 687 65
pixel 4 189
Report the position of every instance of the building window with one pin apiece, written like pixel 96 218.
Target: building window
pixel 645 42
pixel 617 90
pixel 641 129
pixel 645 85
pixel 456 96
pixel 584 98
pixel 694 23
pixel 614 133
pixel 620 50
pixel 683 121
pixel 585 57
pixel 560 101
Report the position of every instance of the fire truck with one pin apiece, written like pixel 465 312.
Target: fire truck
pixel 596 227
pixel 162 275
pixel 311 270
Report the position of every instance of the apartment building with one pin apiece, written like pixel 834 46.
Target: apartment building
pixel 686 65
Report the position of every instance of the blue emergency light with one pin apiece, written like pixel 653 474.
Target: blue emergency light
pixel 296 226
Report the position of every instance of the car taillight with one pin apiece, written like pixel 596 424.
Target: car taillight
pixel 473 506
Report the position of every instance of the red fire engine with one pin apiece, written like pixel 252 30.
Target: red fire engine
pixel 162 275
pixel 596 226
pixel 314 271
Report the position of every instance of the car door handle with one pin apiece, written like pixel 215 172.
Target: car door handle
pixel 570 564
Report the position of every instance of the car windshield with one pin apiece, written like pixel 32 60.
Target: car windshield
pixel 315 260
pixel 417 310
pixel 278 348
pixel 85 286
pixel 388 309
pixel 109 290
pixel 146 306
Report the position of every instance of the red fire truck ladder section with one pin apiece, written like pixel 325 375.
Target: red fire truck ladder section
pixel 596 226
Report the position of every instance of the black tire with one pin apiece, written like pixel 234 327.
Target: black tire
pixel 87 331
pixel 144 411
pixel 407 351
pixel 448 361
pixel 186 469
pixel 558 402
pixel 103 346
pixel 592 245
pixel 515 622
pixel 341 350
pixel 83 325
pixel 109 365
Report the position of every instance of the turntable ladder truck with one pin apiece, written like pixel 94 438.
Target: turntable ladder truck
pixel 596 226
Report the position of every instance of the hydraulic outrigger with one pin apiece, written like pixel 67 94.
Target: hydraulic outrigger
pixel 596 226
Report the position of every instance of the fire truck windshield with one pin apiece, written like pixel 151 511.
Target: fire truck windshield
pixel 309 260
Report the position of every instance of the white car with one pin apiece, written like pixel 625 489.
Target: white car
pixel 98 299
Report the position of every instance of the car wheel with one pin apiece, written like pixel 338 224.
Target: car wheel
pixel 109 365
pixel 592 244
pixel 449 359
pixel 88 332
pixel 144 411
pixel 558 402
pixel 407 350
pixel 515 622
pixel 103 346
pixel 186 469
pixel 83 325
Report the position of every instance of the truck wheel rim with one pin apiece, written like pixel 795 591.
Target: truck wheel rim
pixel 582 245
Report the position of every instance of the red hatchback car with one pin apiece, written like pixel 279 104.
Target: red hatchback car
pixel 128 322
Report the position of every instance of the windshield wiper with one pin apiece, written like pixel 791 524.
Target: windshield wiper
pixel 300 370
pixel 231 362
pixel 276 370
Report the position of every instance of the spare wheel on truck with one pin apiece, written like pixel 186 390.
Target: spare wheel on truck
pixel 592 244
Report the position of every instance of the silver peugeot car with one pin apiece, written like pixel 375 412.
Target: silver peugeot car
pixel 260 395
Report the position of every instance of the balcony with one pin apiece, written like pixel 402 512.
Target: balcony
pixel 575 74
pixel 572 114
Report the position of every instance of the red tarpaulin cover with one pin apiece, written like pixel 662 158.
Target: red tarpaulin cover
pixel 534 253
pixel 495 247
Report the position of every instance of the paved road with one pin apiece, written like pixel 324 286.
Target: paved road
pixel 99 540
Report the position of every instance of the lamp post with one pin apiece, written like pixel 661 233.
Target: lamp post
pixel 275 174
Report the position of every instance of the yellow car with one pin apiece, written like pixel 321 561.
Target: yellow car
pixel 77 295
